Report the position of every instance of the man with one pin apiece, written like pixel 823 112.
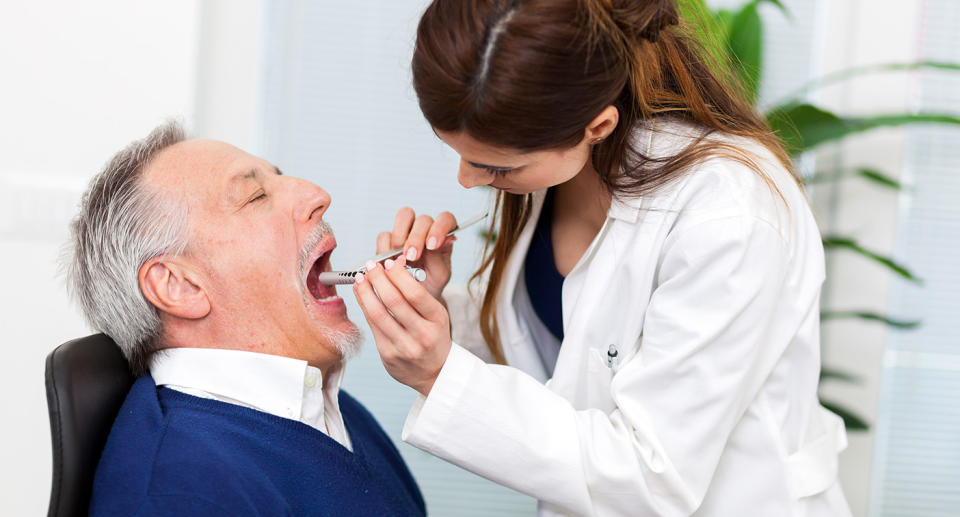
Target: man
pixel 201 262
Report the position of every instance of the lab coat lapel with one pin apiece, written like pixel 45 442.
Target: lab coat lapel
pixel 515 334
pixel 595 314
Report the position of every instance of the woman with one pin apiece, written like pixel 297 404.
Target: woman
pixel 650 302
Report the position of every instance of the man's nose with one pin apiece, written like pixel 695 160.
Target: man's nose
pixel 470 176
pixel 314 201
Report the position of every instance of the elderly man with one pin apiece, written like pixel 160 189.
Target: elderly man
pixel 201 262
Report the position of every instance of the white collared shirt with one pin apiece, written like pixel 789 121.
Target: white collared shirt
pixel 281 386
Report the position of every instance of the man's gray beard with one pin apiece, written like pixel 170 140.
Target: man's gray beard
pixel 347 342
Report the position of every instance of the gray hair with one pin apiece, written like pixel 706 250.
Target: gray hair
pixel 122 224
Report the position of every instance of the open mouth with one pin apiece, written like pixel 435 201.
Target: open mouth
pixel 321 293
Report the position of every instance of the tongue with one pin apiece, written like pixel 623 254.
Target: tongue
pixel 316 289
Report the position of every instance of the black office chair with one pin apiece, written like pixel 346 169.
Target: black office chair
pixel 87 381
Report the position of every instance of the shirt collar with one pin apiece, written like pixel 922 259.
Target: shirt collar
pixel 269 383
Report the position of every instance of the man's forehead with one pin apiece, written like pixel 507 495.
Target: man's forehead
pixel 202 164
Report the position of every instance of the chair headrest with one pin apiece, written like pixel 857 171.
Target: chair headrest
pixel 87 381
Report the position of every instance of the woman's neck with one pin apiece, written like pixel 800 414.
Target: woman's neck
pixel 582 200
pixel 579 211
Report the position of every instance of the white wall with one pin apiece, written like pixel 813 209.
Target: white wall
pixel 230 73
pixel 80 80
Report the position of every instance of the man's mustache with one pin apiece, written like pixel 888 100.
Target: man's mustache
pixel 320 232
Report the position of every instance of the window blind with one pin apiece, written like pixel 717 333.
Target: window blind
pixel 917 455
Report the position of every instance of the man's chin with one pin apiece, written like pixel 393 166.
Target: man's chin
pixel 347 340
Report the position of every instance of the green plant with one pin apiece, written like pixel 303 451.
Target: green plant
pixel 736 37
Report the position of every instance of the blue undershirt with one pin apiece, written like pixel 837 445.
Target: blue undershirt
pixel 544 282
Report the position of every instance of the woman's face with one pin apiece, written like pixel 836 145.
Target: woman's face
pixel 514 171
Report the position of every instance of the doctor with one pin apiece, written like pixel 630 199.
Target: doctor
pixel 643 338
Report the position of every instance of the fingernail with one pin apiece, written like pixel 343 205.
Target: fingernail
pixel 359 278
pixel 412 254
pixel 388 264
pixel 432 243
pixel 371 264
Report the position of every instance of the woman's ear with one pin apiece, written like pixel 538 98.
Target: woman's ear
pixel 602 125
pixel 169 286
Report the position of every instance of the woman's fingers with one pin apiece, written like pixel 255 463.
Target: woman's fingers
pixel 383 242
pixel 413 248
pixel 392 298
pixel 375 312
pixel 437 235
pixel 401 227
pixel 414 234
pixel 412 348
pixel 419 299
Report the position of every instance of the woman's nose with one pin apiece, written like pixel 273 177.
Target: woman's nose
pixel 470 176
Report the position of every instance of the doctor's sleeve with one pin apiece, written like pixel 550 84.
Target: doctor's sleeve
pixel 463 307
pixel 709 341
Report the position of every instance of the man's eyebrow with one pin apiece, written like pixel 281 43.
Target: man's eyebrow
pixel 483 166
pixel 251 174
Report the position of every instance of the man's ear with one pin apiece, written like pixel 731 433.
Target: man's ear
pixel 602 125
pixel 169 286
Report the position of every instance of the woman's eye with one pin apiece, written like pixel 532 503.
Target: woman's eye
pixel 258 197
pixel 497 171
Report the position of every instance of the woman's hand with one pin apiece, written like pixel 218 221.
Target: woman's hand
pixel 410 326
pixel 424 243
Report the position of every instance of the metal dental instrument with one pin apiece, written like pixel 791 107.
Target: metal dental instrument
pixel 347 277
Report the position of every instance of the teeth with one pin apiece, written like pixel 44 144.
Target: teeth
pixel 328 298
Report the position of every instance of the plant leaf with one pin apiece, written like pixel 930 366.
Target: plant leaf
pixel 724 20
pixel 849 73
pixel 798 124
pixel 828 373
pixel 779 4
pixel 871 175
pixel 852 421
pixel 746 46
pixel 872 316
pixel 802 127
pixel 835 242
pixel 711 29
pixel 879 178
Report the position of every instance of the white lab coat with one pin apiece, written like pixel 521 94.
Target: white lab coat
pixel 709 290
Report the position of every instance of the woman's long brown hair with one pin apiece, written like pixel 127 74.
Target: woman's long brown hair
pixel 530 75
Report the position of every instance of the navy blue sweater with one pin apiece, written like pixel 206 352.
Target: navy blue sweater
pixel 170 453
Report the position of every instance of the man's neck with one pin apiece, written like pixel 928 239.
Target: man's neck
pixel 199 337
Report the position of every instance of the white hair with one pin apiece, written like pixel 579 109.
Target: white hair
pixel 347 342
pixel 122 224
